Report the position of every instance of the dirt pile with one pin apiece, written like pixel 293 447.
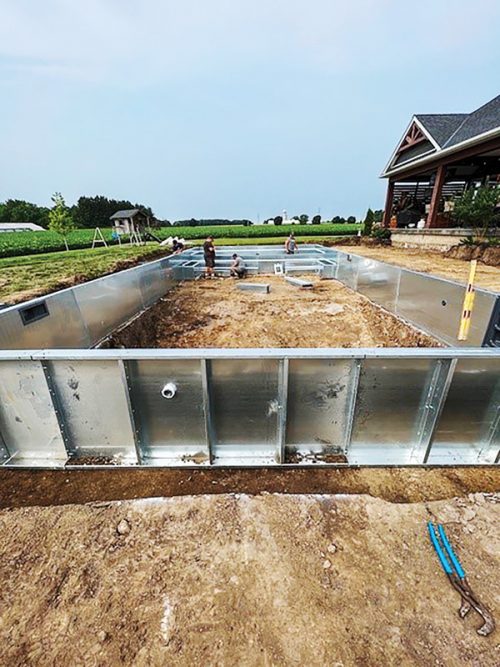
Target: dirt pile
pixel 215 313
pixel 484 253
pixel 239 580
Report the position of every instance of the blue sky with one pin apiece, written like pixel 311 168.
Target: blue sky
pixel 230 108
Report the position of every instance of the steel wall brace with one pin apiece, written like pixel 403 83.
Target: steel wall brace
pixel 207 408
pixel 282 410
pixel 59 413
pixel 124 374
pixel 351 407
pixel 431 408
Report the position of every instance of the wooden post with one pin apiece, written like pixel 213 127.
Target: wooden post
pixel 388 204
pixel 436 196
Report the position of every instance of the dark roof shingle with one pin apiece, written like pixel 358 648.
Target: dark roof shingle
pixel 478 122
pixel 125 214
pixel 441 125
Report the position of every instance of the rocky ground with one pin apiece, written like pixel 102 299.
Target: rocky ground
pixel 245 580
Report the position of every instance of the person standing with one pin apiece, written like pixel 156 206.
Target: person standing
pixel 209 255
pixel 291 245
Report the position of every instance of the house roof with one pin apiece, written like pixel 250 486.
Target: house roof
pixel 449 131
pixel 130 213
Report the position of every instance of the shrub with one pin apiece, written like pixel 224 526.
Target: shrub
pixel 477 209
pixel 368 223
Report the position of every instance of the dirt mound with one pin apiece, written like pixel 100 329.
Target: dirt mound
pixel 239 580
pixel 215 313
pixel 484 253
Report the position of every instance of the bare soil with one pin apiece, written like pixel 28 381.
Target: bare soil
pixel 237 580
pixel 215 313
pixel 433 262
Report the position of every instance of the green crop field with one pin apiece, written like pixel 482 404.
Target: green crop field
pixel 13 244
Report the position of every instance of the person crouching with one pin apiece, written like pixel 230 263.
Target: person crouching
pixel 238 268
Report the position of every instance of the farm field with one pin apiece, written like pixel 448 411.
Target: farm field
pixel 29 243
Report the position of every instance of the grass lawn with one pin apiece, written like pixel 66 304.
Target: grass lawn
pixel 28 276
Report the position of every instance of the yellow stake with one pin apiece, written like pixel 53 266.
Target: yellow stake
pixel 465 320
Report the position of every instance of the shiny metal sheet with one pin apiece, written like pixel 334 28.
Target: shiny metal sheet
pixel 347 269
pixel 435 306
pixel 153 283
pixel 169 428
pixel 379 282
pixel 319 392
pixel 109 302
pixel 468 429
pixel 245 409
pixel 93 401
pixel 387 413
pixel 28 423
pixel 63 327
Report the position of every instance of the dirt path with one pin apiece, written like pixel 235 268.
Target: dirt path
pixel 249 581
pixel 430 262
pixel 215 313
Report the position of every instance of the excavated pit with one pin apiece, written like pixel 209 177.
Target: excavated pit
pixel 216 314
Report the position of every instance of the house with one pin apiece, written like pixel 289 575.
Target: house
pixel 20 227
pixel 129 221
pixel 438 157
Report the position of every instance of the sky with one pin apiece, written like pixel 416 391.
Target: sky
pixel 230 108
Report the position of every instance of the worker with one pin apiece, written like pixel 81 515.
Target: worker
pixel 238 267
pixel 209 255
pixel 177 246
pixel 291 245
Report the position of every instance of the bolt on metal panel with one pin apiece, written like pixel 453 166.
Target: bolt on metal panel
pixel 93 400
pixel 468 429
pixel 388 410
pixel 319 397
pixel 246 407
pixel 28 422
pixel 170 424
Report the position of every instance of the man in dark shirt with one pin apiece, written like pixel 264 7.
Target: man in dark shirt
pixel 209 254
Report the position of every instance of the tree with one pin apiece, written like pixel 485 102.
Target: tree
pixel 378 215
pixel 303 219
pixel 477 209
pixel 60 219
pixel 18 210
pixel 96 211
pixel 368 223
pixel 351 219
pixel 337 220
pixel 316 220
pixel 278 220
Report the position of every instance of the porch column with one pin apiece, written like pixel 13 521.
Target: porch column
pixel 436 196
pixel 388 204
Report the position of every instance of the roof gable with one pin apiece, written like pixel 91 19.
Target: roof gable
pixel 442 125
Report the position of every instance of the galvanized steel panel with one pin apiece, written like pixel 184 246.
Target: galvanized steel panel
pixel 468 429
pixel 169 428
pixel 93 400
pixel 28 422
pixel 63 327
pixel 379 282
pixel 245 408
pixel 319 393
pixel 347 269
pixel 387 411
pixel 153 283
pixel 435 306
pixel 109 302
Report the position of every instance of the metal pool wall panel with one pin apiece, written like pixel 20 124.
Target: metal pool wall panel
pixel 347 270
pixel 469 428
pixel 388 410
pixel 93 400
pixel 107 303
pixel 29 425
pixel 435 305
pixel 320 395
pixel 379 282
pixel 245 407
pixel 61 327
pixel 175 428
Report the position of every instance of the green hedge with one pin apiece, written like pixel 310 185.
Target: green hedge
pixel 31 243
